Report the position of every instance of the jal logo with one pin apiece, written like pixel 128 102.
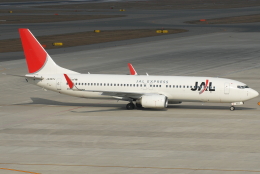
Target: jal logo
pixel 203 87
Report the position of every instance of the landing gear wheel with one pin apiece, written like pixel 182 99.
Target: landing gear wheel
pixel 232 108
pixel 130 106
pixel 138 106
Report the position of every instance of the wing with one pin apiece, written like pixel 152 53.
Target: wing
pixel 131 95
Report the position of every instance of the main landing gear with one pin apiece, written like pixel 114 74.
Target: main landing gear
pixel 232 108
pixel 130 106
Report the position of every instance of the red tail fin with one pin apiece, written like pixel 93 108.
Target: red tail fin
pixel 34 53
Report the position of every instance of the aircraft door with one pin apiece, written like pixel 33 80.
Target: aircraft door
pixel 58 84
pixel 226 88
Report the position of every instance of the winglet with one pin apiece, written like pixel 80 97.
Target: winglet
pixel 131 69
pixel 70 83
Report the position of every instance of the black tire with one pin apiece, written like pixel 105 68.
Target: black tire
pixel 130 106
pixel 138 106
pixel 232 108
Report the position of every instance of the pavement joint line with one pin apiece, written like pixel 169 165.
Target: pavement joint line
pixel 135 167
pixel 19 170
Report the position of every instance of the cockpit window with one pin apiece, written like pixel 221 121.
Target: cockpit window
pixel 242 87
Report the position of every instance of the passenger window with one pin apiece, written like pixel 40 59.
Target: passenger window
pixel 124 85
pixel 100 84
pixel 176 86
pixel 117 84
pixel 160 85
pixel 114 84
pixel 153 85
pixel 156 85
pixel 187 86
pixel 104 84
pixel 144 85
pixel 133 85
pixel 183 86
pixel 108 84
pixel 136 85
pixel 121 84
pixel 130 84
pixel 127 84
pixel 140 85
pixel 111 84
pixel 97 84
pixel 170 86
pixel 166 86
pixel 94 84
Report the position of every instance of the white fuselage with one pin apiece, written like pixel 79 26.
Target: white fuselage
pixel 175 88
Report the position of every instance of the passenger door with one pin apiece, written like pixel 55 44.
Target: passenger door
pixel 58 84
pixel 226 88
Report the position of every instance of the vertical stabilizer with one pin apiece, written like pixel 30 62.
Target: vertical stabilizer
pixel 37 59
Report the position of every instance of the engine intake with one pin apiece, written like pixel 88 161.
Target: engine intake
pixel 153 101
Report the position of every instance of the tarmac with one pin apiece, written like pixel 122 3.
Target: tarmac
pixel 46 132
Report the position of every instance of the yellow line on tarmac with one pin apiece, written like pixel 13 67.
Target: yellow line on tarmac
pixel 139 167
pixel 19 170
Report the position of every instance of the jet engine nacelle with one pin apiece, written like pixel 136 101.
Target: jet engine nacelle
pixel 154 101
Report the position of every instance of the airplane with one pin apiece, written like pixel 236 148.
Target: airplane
pixel 141 91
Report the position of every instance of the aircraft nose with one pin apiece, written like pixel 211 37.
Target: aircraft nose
pixel 255 93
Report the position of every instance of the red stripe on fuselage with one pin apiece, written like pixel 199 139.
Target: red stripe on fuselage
pixel 34 53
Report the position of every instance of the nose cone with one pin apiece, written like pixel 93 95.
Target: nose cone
pixel 254 93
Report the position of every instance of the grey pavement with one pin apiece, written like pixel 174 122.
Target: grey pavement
pixel 46 132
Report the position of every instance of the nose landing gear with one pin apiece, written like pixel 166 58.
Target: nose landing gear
pixel 232 108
